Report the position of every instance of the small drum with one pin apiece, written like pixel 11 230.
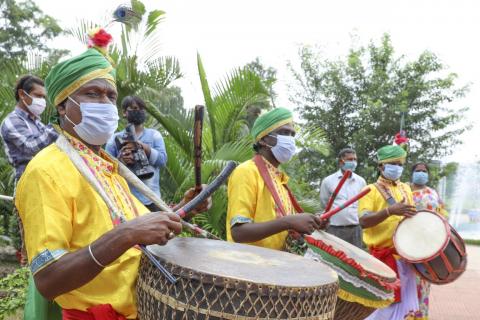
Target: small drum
pixel 433 246
pixel 223 280
pixel 366 283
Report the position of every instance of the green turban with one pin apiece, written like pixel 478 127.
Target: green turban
pixel 391 153
pixel 69 75
pixel 270 121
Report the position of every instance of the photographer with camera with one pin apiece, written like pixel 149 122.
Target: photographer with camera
pixel 141 149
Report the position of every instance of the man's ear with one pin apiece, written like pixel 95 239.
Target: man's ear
pixel 262 143
pixel 22 96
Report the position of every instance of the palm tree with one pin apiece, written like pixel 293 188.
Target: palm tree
pixel 225 137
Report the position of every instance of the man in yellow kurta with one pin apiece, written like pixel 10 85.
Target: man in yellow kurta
pixel 261 209
pixel 80 252
pixel 381 210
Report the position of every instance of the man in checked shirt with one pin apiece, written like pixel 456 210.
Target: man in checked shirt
pixel 23 134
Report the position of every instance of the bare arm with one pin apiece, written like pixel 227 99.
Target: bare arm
pixel 371 219
pixel 251 232
pixel 56 278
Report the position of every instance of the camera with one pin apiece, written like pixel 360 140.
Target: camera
pixel 141 166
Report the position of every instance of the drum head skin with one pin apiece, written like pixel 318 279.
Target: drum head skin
pixel 244 262
pixel 367 261
pixel 421 237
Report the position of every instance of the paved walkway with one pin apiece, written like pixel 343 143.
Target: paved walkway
pixel 459 300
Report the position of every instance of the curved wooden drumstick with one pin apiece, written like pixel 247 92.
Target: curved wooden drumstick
pixel 345 176
pixel 197 145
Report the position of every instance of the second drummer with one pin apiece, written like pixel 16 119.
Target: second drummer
pixel 261 209
pixel 380 211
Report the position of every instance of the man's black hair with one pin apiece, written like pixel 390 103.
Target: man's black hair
pixel 130 100
pixel 345 151
pixel 26 83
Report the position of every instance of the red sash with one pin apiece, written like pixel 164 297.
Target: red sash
pixel 100 312
pixel 386 256
pixel 262 168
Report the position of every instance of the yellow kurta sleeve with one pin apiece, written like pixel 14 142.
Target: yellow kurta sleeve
pixel 249 200
pixel 381 235
pixel 242 197
pixel 46 218
pixel 367 203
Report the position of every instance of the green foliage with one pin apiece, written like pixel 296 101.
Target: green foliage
pixel 311 141
pixel 14 289
pixel 23 28
pixel 472 242
pixel 358 101
pixel 268 75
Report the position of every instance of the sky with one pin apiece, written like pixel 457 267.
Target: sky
pixel 229 34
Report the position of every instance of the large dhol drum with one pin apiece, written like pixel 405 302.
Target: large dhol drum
pixel 433 246
pixel 366 283
pixel 223 280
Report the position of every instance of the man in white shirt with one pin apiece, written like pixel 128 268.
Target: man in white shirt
pixel 344 224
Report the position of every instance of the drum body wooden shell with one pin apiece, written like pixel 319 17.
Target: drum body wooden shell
pixel 446 260
pixel 366 283
pixel 221 280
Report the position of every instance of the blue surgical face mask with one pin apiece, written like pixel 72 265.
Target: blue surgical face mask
pixel 420 178
pixel 285 148
pixel 392 172
pixel 99 122
pixel 349 165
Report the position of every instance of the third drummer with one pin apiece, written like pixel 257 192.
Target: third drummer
pixel 381 210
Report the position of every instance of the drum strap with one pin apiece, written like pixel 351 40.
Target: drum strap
pixel 262 168
pixel 382 187
pixel 385 193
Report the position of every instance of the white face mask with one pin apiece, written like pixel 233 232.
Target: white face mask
pixel 285 148
pixel 99 122
pixel 37 106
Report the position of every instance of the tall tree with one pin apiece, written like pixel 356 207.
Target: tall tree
pixel 359 101
pixel 23 28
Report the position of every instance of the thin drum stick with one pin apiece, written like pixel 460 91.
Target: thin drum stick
pixel 345 176
pixel 145 190
pixel 347 203
pixel 7 198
